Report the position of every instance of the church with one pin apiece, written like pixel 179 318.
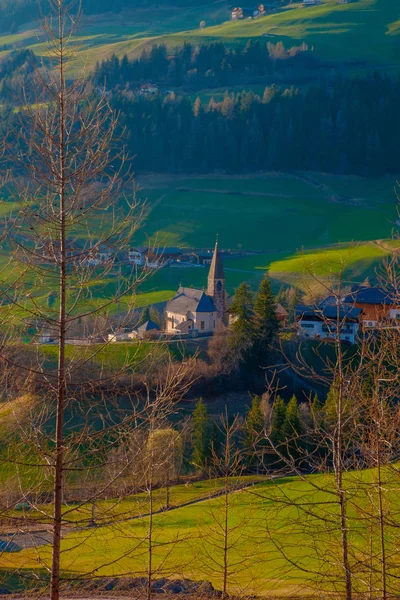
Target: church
pixel 195 312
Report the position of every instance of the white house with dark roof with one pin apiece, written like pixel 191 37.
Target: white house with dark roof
pixel 192 311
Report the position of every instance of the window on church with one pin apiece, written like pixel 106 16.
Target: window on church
pixel 219 286
pixel 202 325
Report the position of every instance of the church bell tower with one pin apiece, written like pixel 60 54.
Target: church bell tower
pixel 216 284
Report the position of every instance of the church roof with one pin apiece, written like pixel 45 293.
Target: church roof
pixel 148 326
pixel 190 300
pixel 216 268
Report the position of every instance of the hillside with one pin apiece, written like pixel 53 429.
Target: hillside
pixel 266 526
pixel 340 33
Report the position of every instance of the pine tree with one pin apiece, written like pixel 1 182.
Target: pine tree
pixel 292 429
pixel 294 298
pixel 266 323
pixel 242 328
pixel 254 442
pixel 201 435
pixel 277 421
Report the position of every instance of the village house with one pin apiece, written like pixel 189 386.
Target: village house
pixel 77 252
pixel 321 322
pixel 247 13
pixel 379 308
pixel 147 330
pixel 98 255
pixel 153 258
pixel 197 311
pixel 311 2
pixel 149 89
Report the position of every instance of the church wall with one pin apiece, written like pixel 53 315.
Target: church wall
pixel 209 320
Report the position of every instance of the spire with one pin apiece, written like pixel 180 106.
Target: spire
pixel 216 268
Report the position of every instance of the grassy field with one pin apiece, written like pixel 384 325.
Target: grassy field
pixel 274 216
pixel 261 519
pixel 270 212
pixel 136 505
pixel 340 32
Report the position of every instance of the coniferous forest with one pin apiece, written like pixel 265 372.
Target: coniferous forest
pixel 339 126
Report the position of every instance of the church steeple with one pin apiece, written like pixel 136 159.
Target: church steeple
pixel 216 268
pixel 216 283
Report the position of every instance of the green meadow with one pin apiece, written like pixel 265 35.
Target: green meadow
pixel 275 546
pixel 292 224
pixel 339 32
pixel 288 222
pixel 270 212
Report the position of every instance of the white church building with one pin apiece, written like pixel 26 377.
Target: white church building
pixel 195 312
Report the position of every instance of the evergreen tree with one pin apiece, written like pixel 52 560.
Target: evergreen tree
pixel 266 323
pixel 277 421
pixel 201 435
pixel 292 429
pixel 254 441
pixel 242 328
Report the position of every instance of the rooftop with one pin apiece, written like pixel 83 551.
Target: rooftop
pixel 190 300
pixel 328 312
pixel 216 268
pixel 370 295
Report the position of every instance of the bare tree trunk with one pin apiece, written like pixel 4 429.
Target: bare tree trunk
pixel 150 539
pixel 61 371
pixel 226 537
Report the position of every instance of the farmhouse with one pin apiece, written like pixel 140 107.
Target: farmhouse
pixel 379 307
pixel 247 13
pixel 152 258
pixel 321 322
pixel 147 330
pixel 193 311
pixel 311 2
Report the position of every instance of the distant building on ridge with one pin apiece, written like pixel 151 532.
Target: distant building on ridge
pixel 247 13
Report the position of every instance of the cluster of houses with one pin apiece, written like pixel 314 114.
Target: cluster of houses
pixel 145 257
pixel 194 312
pixel 317 2
pixel 199 312
pixel 365 308
pixel 153 258
pixel 252 12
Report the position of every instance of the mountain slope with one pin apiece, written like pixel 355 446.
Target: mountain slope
pixel 365 33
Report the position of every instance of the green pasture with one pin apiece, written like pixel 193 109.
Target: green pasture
pixel 364 31
pixel 267 213
pixel 298 516
pixel 115 356
pixel 135 505
pixel 276 217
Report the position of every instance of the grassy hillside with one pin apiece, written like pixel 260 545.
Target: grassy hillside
pixel 361 30
pixel 188 540
pixel 270 212
pixel 273 215
pixel 366 31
